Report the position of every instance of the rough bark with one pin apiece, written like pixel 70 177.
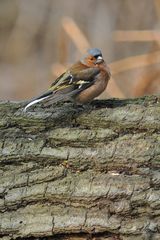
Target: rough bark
pixel 73 173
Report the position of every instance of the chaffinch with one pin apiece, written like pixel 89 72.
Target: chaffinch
pixel 82 82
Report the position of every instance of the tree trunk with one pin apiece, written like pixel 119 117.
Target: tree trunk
pixel 72 173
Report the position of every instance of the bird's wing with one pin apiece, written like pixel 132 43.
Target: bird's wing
pixel 67 85
pixel 68 79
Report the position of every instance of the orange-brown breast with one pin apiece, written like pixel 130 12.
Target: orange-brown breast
pixel 96 89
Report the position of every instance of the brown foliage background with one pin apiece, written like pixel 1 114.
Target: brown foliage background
pixel 40 38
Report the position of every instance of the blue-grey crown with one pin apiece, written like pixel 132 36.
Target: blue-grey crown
pixel 94 52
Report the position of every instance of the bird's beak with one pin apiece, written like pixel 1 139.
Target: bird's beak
pixel 99 60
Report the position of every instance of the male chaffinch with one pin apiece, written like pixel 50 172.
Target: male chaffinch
pixel 82 82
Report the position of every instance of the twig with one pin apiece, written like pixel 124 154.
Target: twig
pixel 75 34
pixel 135 62
pixel 136 36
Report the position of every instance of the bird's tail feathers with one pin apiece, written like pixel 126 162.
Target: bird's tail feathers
pixel 51 98
pixel 34 102
pixel 60 97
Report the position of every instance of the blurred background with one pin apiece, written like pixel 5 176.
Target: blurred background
pixel 39 39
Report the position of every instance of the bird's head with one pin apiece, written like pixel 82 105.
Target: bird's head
pixel 93 58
